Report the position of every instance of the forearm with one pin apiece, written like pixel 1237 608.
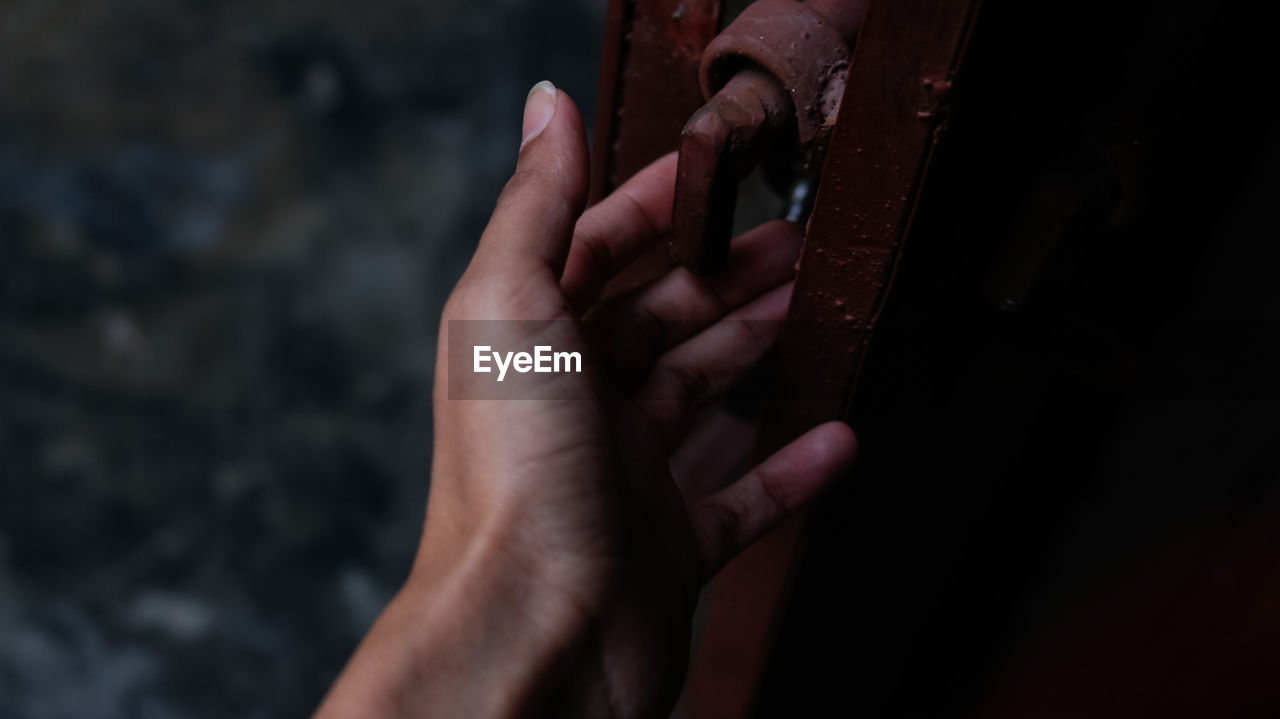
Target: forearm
pixel 466 641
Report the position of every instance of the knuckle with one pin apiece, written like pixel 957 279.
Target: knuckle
pixel 706 294
pixel 526 181
pixel 596 251
pixel 761 334
pixel 649 328
pixel 722 530
pixel 545 185
pixel 772 504
pixel 641 215
pixel 692 385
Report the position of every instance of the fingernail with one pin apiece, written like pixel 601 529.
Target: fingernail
pixel 538 109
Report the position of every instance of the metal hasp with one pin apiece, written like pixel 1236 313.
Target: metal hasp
pixel 648 83
pixel 891 115
pixel 773 78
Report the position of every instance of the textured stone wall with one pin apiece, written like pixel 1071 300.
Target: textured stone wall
pixel 226 231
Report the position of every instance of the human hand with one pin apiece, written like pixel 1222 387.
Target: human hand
pixel 561 562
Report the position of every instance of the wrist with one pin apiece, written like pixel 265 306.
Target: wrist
pixel 493 552
pixel 500 615
pixel 440 649
pixel 471 633
pixel 503 596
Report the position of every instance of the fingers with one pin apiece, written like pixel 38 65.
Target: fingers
pixel 634 329
pixel 612 234
pixel 727 522
pixel 716 452
pixel 685 379
pixel 654 263
pixel 538 207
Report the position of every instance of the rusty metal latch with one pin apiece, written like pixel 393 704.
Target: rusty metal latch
pixel 775 75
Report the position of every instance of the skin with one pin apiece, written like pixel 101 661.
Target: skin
pixel 563 549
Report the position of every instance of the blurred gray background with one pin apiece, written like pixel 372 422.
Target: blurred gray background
pixel 226 231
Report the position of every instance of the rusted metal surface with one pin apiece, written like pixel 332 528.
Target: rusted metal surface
pixel 896 104
pixel 719 146
pixel 893 112
pixel 774 77
pixel 648 83
pixel 795 44
pixel 844 15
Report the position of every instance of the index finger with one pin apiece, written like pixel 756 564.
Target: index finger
pixel 613 233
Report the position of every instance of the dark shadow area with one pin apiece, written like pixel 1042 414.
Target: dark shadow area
pixel 1067 497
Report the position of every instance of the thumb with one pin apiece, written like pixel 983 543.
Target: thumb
pixel 542 201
